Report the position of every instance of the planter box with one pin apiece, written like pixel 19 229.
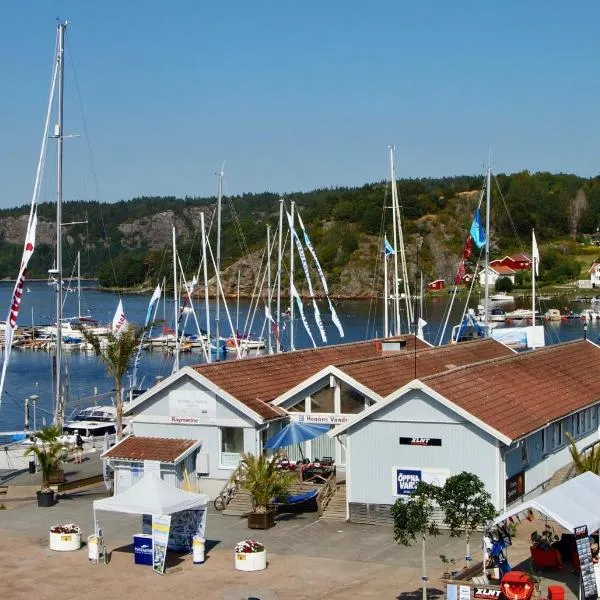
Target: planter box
pixel 264 520
pixel 56 477
pixel 251 561
pixel 65 542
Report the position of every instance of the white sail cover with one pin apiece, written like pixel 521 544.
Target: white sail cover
pixel 152 496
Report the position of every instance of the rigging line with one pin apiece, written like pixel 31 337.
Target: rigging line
pixel 90 155
pixel 509 216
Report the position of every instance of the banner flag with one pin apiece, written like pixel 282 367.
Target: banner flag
pixel 119 321
pixel 476 231
pixel 535 254
pixel 307 276
pixel 301 311
pixel 334 316
pixel 161 525
pixel 153 300
pixel 387 248
pixel 269 316
pixel 15 303
pixel 421 325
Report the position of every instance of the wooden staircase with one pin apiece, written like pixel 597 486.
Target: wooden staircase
pixel 335 509
pixel 241 503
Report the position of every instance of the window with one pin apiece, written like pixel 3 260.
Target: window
pixel 588 418
pixel 232 446
pixel 351 402
pixel 543 441
pixel 524 460
pixel 322 401
pixel 558 434
pixel 299 407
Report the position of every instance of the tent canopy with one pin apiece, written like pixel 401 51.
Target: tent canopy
pixel 294 433
pixel 571 504
pixel 152 496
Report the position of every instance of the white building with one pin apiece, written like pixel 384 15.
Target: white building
pixel 495 273
pixel 503 419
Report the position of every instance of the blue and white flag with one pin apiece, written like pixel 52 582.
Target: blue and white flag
pixel 153 301
pixel 477 232
pixel 387 248
pixel 302 256
pixel 334 316
pixel 302 315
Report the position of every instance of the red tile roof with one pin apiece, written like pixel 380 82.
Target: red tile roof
pixel 259 380
pixel 149 448
pixel 519 394
pixel 385 374
pixel 502 270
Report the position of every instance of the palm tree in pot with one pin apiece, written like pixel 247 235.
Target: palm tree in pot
pixel 265 482
pixel 49 453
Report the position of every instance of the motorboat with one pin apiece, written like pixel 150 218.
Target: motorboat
pixel 502 297
pixel 92 421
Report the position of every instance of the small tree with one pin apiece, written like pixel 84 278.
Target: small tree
pixel 48 451
pixel 413 518
pixel 265 482
pixel 117 353
pixel 504 284
pixel 589 461
pixel 467 506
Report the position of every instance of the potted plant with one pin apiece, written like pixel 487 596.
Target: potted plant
pixel 65 538
pixel 49 453
pixel 542 552
pixel 261 477
pixel 250 555
pixel 447 562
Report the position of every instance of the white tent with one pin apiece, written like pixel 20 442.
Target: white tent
pixel 573 503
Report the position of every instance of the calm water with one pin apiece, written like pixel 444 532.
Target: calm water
pixel 30 372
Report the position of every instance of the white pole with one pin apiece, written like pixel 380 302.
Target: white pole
pixel 269 337
pixel 206 298
pixel 486 304
pixel 292 283
pixel 533 267
pixel 79 284
pixel 386 330
pixel 237 314
pixel 395 226
pixel 218 264
pixel 175 304
pixel 279 274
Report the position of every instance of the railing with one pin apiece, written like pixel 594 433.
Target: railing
pixel 326 493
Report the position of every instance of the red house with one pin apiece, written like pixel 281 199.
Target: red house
pixel 517 262
pixel 437 285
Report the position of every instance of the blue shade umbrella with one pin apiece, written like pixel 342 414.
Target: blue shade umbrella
pixel 294 433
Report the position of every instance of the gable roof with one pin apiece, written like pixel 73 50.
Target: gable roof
pixel 501 269
pixel 265 378
pixel 513 257
pixel 254 408
pixel 385 374
pixel 594 266
pixel 149 448
pixel 511 397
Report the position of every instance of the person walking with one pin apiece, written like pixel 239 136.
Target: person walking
pixel 78 448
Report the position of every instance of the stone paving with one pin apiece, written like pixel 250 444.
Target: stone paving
pixel 308 558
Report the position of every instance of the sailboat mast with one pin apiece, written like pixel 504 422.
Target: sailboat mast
pixel 395 226
pixel 488 195
pixel 218 264
pixel 533 268
pixel 237 308
pixel 59 404
pixel 175 304
pixel 280 242
pixel 386 329
pixel 292 281
pixel 78 284
pixel 206 298
pixel 269 328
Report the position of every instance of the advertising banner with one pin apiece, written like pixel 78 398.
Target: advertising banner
pixel 406 479
pixel 584 551
pixel 515 487
pixel 161 525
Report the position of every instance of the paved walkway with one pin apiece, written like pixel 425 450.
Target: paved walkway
pixel 308 558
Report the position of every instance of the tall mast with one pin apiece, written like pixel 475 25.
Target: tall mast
pixel 269 328
pixel 533 268
pixel 206 298
pixel 279 273
pixel 292 281
pixel 488 194
pixel 79 284
pixel 218 265
pixel 386 331
pixel 175 304
pixel 395 226
pixel 59 400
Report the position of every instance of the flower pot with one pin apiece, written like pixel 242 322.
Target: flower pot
pixel 56 477
pixel 45 498
pixel 65 542
pixel 251 561
pixel 264 520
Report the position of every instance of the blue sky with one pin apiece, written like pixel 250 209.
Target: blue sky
pixel 298 95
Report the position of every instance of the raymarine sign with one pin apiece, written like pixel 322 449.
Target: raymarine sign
pixel 406 479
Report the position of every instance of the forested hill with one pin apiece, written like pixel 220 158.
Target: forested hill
pixel 128 243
